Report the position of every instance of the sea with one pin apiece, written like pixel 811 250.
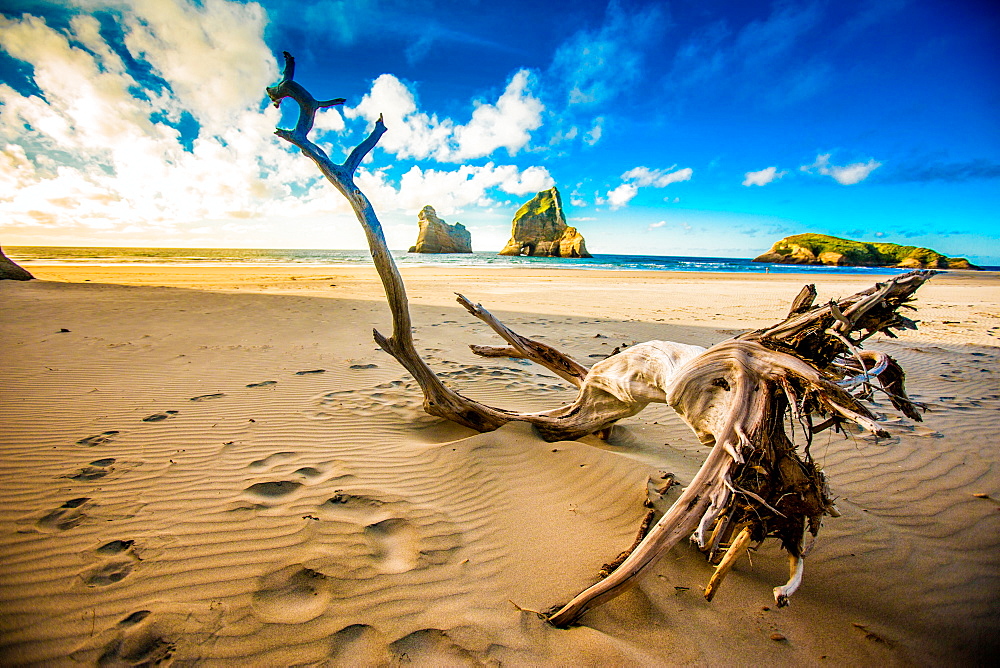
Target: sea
pixel 42 255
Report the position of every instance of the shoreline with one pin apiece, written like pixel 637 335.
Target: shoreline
pixel 957 306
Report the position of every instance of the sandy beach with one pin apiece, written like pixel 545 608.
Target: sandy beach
pixel 217 466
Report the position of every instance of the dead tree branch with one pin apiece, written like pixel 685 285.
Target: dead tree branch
pixel 524 348
pixel 737 396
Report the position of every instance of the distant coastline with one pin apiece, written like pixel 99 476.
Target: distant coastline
pixel 48 255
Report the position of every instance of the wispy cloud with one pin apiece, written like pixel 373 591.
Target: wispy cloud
pixel 595 66
pixel 845 175
pixel 350 23
pixel 594 134
pixel 954 172
pixel 763 177
pixel 640 177
pixel 658 178
pixel 753 57
pixel 653 226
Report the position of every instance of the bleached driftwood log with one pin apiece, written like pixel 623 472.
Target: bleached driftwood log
pixel 748 398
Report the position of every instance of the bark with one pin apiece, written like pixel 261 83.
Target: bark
pixel 752 399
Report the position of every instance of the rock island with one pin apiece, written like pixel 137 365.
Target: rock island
pixel 437 236
pixel 540 229
pixel 823 249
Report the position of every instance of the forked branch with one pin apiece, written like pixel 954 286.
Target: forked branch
pixel 737 396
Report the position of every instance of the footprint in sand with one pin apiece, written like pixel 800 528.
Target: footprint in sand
pixel 107 573
pixel 270 460
pixel 396 545
pixel 279 461
pixel 136 640
pixel 397 397
pixel 66 516
pixel 160 417
pixel 162 634
pixel 400 537
pixel 138 643
pixel 272 489
pixel 360 644
pixel 292 595
pixel 96 470
pixel 116 559
pixel 206 397
pixel 115 547
pixel 432 647
pixel 285 484
pixel 98 439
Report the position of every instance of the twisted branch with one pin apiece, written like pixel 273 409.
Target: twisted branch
pixel 734 396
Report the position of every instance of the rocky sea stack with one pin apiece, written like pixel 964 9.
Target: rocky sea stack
pixel 437 236
pixel 540 229
pixel 823 249
pixel 11 270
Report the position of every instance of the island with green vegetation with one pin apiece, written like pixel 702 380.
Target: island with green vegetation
pixel 823 249
pixel 539 229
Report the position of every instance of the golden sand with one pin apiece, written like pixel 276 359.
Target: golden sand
pixel 217 465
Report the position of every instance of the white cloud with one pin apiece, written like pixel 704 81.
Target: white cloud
pixel 653 226
pixel 763 177
pixel 412 133
pixel 448 191
pixel 594 134
pixel 658 178
pixel 329 120
pixel 105 152
pixel 640 177
pixel 622 195
pixel 507 124
pixel 415 134
pixel 16 171
pixel 211 54
pixel 96 149
pixel 845 175
pixel 531 180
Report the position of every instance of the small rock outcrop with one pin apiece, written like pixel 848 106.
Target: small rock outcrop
pixel 540 229
pixel 823 249
pixel 11 270
pixel 437 236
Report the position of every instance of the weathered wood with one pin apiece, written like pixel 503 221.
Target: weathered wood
pixel 524 348
pixel 737 396
pixel 804 301
pixel 734 552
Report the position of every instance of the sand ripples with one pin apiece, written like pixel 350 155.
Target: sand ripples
pixel 223 507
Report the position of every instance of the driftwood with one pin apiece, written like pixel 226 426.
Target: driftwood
pixel 749 398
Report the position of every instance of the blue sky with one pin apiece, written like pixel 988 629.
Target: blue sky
pixel 689 127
